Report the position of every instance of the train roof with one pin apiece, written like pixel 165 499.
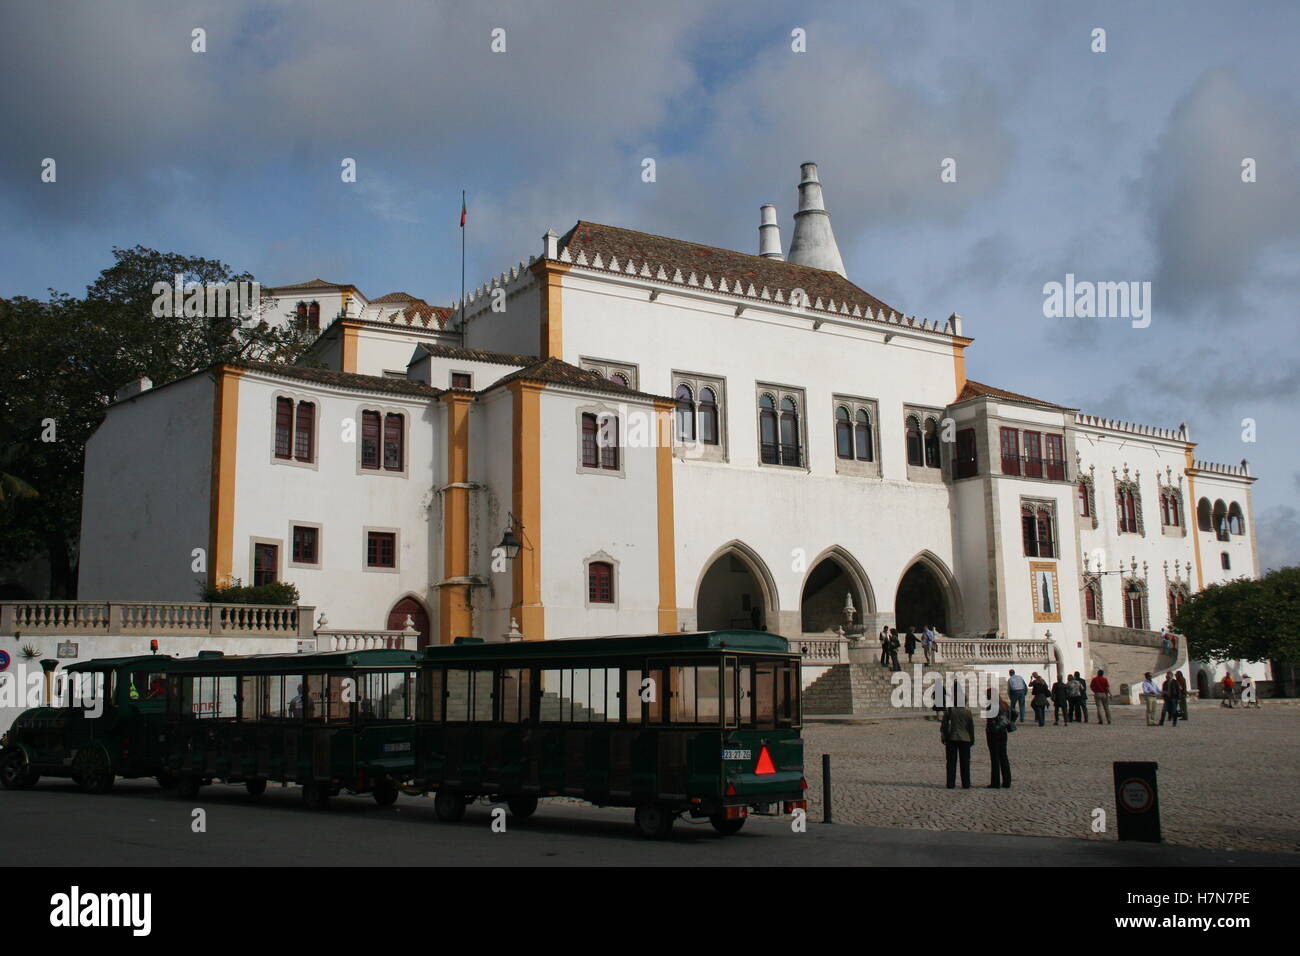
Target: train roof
pixel 293 663
pixel 753 642
pixel 113 663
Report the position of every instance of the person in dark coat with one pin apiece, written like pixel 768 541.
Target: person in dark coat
pixel 1173 699
pixel 909 645
pixel 1182 690
pixel 1039 697
pixel 1060 703
pixel 894 645
pixel 957 731
pixel 996 731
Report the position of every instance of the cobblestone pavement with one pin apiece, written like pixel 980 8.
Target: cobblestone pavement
pixel 1228 779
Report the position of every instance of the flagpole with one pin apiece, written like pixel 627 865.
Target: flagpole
pixel 462 268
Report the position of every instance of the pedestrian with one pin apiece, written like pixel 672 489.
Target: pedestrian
pixel 1169 691
pixel 1248 698
pixel 929 643
pixel 1173 645
pixel 1101 696
pixel 1164 640
pixel 1040 695
pixel 1017 688
pixel 1060 702
pixel 893 650
pixel 909 645
pixel 1082 698
pixel 1151 695
pixel 1227 690
pixel 996 731
pixel 957 731
pixel 884 645
pixel 1182 694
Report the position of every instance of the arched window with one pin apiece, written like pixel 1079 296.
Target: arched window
pixel 914 442
pixel 767 428
pixel 1203 517
pixel 1221 520
pixel 862 437
pixel 1177 597
pixel 843 433
pixel 618 378
pixel 1085 508
pixel 1170 509
pixel 1127 511
pixel 1090 602
pixel 300 315
pixel 1135 614
pixel 685 414
pixel 789 432
pixel 708 416
pixel 313 317
pixel 932 444
pixel 600 582
pixel 1236 520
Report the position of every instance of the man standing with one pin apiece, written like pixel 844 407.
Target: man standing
pixel 1164 640
pixel 884 645
pixel 1101 696
pixel 1083 695
pixel 1182 694
pixel 1172 695
pixel 1227 690
pixel 1150 694
pixel 1017 689
pixel 1060 702
pixel 893 650
pixel 957 731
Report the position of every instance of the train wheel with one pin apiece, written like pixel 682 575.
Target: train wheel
pixel 449 805
pixel 724 826
pixel 187 787
pixel 654 820
pixel 315 796
pixel 94 771
pixel 255 788
pixel 15 774
pixel 385 794
pixel 522 806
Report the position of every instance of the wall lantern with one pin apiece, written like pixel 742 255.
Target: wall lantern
pixel 510 541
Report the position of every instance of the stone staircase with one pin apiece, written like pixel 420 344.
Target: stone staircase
pixel 858 688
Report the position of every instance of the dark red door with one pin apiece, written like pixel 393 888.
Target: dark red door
pixel 419 618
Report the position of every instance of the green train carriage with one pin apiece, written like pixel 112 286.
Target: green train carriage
pixel 113 726
pixel 703 724
pixel 329 722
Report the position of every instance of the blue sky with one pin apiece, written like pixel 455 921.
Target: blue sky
pixel 1114 166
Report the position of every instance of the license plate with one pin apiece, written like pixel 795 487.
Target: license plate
pixel 737 754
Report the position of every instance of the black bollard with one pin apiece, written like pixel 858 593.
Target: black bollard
pixel 826 788
pixel 1137 801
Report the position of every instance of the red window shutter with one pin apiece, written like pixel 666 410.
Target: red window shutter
pixel 1029 533
pixel 283 428
pixel 590 458
pixel 1055 457
pixel 304 447
pixel 264 564
pixel 609 444
pixel 304 545
pixel 1010 440
pixel 1090 600
pixel 394 453
pixel 600 583
pixel 1046 546
pixel 369 439
pixel 1033 455
pixel 313 317
pixel 381 549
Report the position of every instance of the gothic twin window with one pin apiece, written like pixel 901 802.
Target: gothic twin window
pixel 1171 508
pixel 922 442
pixel 295 430
pixel 854 430
pixel 698 408
pixel 383 441
pixel 600 448
pixel 1135 604
pixel 779 433
pixel 1038 528
pixel 1092 598
pixel 1178 595
pixel 306 318
pixel 1128 504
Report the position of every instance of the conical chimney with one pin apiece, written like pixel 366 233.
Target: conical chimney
pixel 813 243
pixel 769 233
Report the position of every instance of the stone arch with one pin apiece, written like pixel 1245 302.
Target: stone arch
pixel 714 608
pixel 1204 521
pixel 857 581
pixel 414 605
pixel 945 585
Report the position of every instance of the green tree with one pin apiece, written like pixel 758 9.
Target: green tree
pixel 63 359
pixel 1253 620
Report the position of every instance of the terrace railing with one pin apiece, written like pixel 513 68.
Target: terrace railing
pixel 154 618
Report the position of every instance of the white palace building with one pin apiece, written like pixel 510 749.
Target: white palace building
pixel 635 434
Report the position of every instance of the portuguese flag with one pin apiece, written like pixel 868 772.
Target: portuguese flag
pixel 462 210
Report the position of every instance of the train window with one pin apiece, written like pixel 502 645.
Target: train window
pixel 146 685
pixel 729 695
pixel 611 696
pixel 285 696
pixel 632 695
pixel 787 714
pixel 430 699
pixel 482 694
pixel 765 694
pixel 249 699
pixel 214 698
pixel 325 698
pixel 514 694
pixel 385 695
pixel 657 690
pixel 694 694
pixel 457 695
pixel 681 695
pixel 552 702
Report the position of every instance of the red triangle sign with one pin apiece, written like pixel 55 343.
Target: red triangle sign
pixel 765 764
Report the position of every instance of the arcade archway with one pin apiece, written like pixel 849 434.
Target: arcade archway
pixel 832 579
pixel 735 591
pixel 925 597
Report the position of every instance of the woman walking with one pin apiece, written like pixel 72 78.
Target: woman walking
pixel 1039 696
pixel 996 730
pixel 909 645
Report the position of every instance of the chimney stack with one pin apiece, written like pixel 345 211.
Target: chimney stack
pixel 769 234
pixel 813 243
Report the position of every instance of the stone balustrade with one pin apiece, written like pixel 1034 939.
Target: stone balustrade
pixel 339 640
pixel 961 651
pixel 160 618
pixel 823 650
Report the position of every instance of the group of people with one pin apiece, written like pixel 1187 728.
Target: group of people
pixel 928 641
pixel 1170 698
pixel 1248 696
pixel 957 731
pixel 1068 697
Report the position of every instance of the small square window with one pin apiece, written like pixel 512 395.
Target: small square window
pixel 381 549
pixel 305 539
pixel 462 380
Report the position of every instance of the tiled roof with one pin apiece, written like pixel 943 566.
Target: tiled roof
pixel 558 372
pixel 312 284
pixel 975 389
pixel 478 355
pixel 420 313
pixel 395 297
pixel 591 238
pixel 323 376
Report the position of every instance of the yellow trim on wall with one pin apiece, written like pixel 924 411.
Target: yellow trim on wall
pixel 549 274
pixel 1194 523
pixel 959 367
pixel 221 515
pixel 455 607
pixel 348 329
pixel 526 504
pixel 667 536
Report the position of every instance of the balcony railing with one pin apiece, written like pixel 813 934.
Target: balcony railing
pixel 154 618
pixel 1027 466
pixel 957 651
pixel 823 650
pixel 335 640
